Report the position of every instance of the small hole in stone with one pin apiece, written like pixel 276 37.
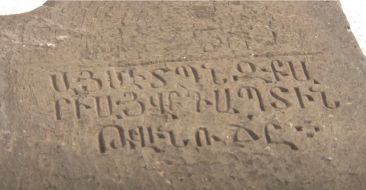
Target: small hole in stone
pixel 310 135
pixel 298 128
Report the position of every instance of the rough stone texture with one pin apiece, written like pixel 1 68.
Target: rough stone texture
pixel 181 95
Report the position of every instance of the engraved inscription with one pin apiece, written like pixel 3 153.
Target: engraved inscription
pixel 117 137
pixel 131 92
pixel 244 88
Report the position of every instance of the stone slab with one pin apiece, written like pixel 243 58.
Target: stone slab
pixel 181 95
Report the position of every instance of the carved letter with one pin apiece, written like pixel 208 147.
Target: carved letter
pixel 226 100
pixel 248 133
pixel 59 107
pixel 336 104
pixel 137 78
pixel 139 135
pixel 135 106
pixel 60 82
pixel 104 106
pixel 199 101
pixel 116 79
pixel 164 99
pixel 246 64
pixel 286 103
pixel 249 92
pixel 300 97
pixel 215 76
pixel 111 137
pixel 202 136
pixel 155 74
pixel 270 140
pixel 276 66
pixel 305 72
pixel 191 72
pixel 80 104
pixel 326 104
pixel 88 82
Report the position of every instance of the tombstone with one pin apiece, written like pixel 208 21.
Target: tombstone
pixel 181 95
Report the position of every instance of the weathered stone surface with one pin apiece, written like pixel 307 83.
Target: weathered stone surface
pixel 181 95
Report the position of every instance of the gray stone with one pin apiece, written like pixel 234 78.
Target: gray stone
pixel 181 95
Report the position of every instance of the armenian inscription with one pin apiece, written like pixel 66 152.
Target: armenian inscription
pixel 234 87
pixel 182 95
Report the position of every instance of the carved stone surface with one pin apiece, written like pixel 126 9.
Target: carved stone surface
pixel 181 95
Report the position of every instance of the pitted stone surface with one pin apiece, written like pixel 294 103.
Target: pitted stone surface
pixel 181 95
